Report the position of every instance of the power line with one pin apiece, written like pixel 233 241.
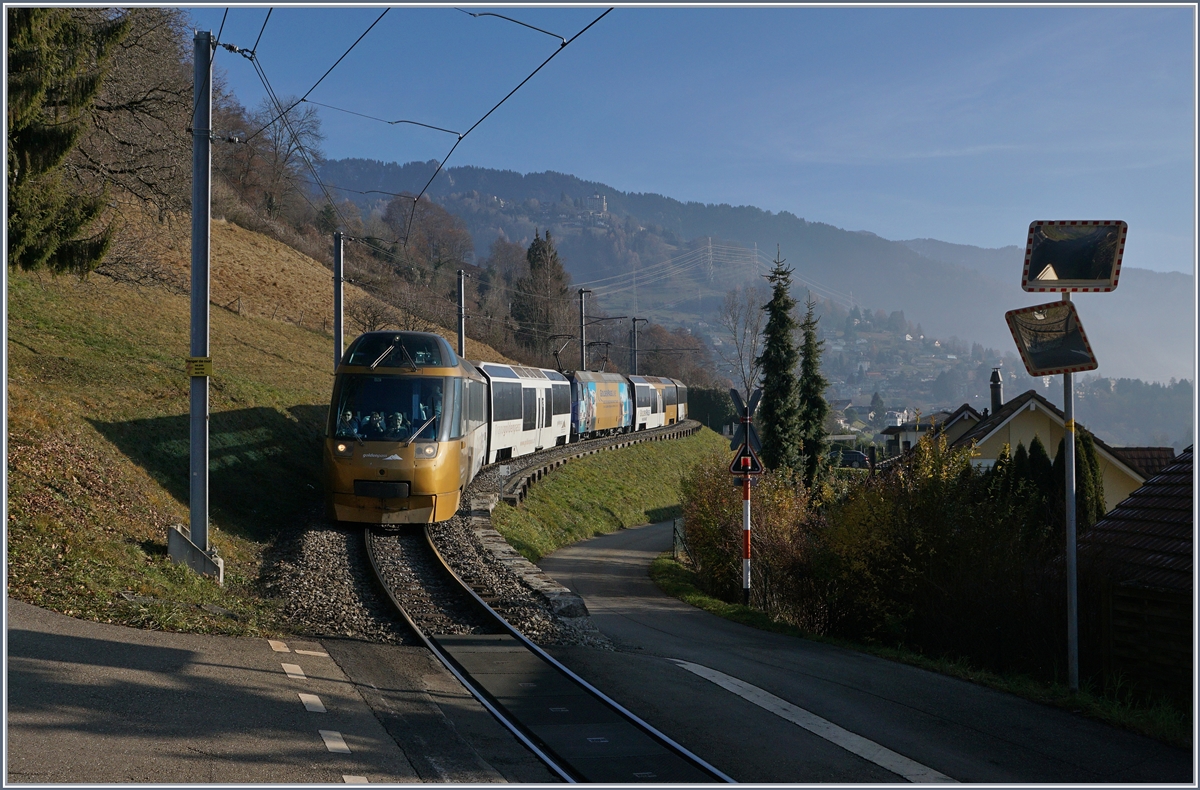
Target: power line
pixel 381 120
pixel 254 58
pixel 254 48
pixel 489 112
pixel 516 21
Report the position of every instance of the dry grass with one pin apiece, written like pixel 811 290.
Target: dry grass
pixel 98 436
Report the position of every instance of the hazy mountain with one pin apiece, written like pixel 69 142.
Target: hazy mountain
pixel 1145 329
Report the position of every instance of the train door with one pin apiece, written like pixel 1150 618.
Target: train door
pixel 541 419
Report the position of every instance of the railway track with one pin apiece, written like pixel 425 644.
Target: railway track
pixel 581 734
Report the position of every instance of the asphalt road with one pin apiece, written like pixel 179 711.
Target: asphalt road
pixel 95 703
pixel 765 707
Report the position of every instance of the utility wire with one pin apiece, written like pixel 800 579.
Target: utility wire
pixel 254 48
pixel 323 76
pixel 516 21
pixel 489 112
pixel 381 120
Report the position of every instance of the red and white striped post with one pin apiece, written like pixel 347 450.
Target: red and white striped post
pixel 746 532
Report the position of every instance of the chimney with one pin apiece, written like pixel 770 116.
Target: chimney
pixel 997 390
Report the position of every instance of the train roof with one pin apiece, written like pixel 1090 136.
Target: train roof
pixel 589 375
pixel 401 349
pixel 499 371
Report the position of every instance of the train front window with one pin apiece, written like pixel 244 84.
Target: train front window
pixel 391 408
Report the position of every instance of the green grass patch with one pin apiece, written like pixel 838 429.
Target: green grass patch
pixel 602 493
pixel 98 452
pixel 1161 721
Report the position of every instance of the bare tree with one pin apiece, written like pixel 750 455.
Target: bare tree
pixel 742 317
pixel 370 314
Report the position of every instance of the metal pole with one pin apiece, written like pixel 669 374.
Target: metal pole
pixel 339 339
pixel 1072 587
pixel 201 196
pixel 582 331
pixel 462 313
pixel 746 533
pixel 635 323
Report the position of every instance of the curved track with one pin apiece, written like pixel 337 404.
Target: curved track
pixel 581 734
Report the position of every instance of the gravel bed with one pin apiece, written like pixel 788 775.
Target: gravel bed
pixel 322 574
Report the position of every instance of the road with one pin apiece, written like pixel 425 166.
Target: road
pixel 771 708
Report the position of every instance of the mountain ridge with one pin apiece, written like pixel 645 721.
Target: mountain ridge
pixel 951 289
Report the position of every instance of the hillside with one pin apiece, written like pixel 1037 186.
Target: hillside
pixel 951 290
pixel 98 435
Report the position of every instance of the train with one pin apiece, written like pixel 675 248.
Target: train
pixel 411 423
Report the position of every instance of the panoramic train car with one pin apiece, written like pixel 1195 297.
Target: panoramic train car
pixel 668 390
pixel 680 400
pixel 648 403
pixel 530 409
pixel 407 430
pixel 601 404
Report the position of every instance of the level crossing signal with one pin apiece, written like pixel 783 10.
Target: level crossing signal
pixel 746 462
pixel 745 433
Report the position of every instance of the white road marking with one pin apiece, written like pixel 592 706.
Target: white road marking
pixel 317 653
pixel 334 741
pixel 354 780
pixel 855 744
pixel 293 671
pixel 312 703
pixel 277 646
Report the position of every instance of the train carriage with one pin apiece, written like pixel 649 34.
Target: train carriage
pixel 601 404
pixel 680 400
pixel 407 430
pixel 648 403
pixel 530 409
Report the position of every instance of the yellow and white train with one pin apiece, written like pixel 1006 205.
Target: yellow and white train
pixel 411 423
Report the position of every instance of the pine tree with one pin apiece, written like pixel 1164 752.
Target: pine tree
pixel 778 417
pixel 540 308
pixel 56 64
pixel 1089 482
pixel 813 406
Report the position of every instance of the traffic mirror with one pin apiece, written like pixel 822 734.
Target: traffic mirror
pixel 1073 255
pixel 1051 339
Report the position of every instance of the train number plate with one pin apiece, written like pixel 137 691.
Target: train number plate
pixel 379 489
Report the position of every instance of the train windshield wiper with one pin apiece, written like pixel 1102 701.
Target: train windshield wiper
pixel 384 356
pixel 387 352
pixel 417 432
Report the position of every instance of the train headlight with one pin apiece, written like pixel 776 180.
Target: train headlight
pixel 426 450
pixel 343 449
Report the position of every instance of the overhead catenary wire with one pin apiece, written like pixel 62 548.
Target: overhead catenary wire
pixel 328 71
pixel 463 136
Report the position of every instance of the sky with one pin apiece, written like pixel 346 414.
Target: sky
pixel 960 124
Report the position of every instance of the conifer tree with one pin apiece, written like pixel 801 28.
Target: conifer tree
pixel 813 406
pixel 56 63
pixel 778 417
pixel 540 308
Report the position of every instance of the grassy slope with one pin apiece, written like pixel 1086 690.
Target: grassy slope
pixel 602 493
pixel 98 440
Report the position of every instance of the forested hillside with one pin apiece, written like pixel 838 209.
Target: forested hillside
pixel 1142 330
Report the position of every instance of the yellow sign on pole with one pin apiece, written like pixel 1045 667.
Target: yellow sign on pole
pixel 199 366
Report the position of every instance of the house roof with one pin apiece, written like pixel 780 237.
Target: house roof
pixel 1148 536
pixel 940 420
pixel 1147 460
pixel 1008 411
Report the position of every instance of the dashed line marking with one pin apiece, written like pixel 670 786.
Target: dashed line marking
pixel 312 703
pixel 317 653
pixel 823 728
pixel 294 671
pixel 354 780
pixel 277 646
pixel 334 741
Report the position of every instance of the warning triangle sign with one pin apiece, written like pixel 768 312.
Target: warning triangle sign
pixel 746 462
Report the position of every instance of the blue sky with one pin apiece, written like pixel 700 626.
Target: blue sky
pixel 961 124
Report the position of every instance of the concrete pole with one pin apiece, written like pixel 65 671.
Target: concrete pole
pixel 339 338
pixel 1072 585
pixel 582 330
pixel 201 197
pixel 462 313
